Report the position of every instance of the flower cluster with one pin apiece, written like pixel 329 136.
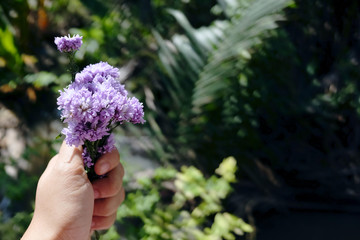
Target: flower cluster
pixel 68 43
pixel 94 104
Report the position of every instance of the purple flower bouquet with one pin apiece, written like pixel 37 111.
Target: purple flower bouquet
pixel 93 105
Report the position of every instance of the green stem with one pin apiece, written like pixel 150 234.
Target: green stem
pixel 97 235
pixel 73 68
pixel 93 148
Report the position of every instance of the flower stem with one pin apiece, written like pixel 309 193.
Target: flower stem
pixel 73 68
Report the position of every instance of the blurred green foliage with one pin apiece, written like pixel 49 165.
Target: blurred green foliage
pixel 16 226
pixel 180 205
pixel 205 103
pixel 277 91
pixel 16 197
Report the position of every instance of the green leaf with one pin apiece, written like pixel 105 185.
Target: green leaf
pixel 59 136
pixel 227 169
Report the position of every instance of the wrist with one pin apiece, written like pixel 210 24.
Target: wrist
pixel 46 229
pixel 40 230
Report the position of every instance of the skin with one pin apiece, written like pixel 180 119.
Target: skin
pixel 68 206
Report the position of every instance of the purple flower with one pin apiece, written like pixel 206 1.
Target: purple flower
pixel 138 114
pixel 102 69
pixel 93 105
pixel 87 158
pixel 68 43
pixel 108 146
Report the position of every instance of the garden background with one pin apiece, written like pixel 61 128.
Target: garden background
pixel 252 113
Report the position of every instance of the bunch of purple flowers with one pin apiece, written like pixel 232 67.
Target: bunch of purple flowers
pixel 92 106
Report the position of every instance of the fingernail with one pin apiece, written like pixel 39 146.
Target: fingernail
pixel 104 168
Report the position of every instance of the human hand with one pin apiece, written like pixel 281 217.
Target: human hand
pixel 67 205
pixel 108 191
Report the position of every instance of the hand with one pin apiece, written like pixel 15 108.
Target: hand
pixel 108 191
pixel 67 205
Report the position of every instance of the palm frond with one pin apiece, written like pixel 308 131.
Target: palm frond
pixel 185 56
pixel 199 61
pixel 244 32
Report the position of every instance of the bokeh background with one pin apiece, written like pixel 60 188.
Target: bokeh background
pixel 252 113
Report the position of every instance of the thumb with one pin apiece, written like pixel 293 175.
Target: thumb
pixel 70 157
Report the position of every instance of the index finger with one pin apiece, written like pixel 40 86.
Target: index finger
pixel 107 162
